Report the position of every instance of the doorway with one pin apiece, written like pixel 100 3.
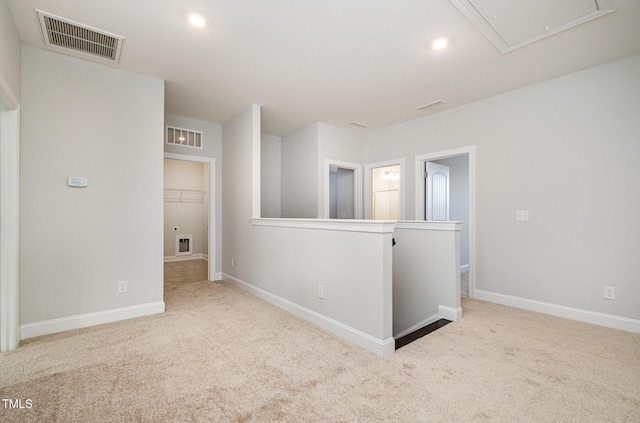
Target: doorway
pixel 384 190
pixel 342 191
pixel 190 210
pixel 458 194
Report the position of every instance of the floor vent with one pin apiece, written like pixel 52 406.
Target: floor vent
pixel 184 137
pixel 74 37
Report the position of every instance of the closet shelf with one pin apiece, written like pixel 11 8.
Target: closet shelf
pixel 183 195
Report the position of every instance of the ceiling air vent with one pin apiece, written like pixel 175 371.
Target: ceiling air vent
pixel 74 37
pixel 184 137
pixel 357 124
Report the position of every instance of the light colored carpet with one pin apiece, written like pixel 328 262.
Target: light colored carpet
pixel 221 355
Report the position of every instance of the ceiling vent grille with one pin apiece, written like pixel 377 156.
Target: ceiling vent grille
pixel 357 124
pixel 184 137
pixel 65 34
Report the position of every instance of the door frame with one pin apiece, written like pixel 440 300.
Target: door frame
pixel 211 244
pixel 367 184
pixel 420 198
pixel 323 206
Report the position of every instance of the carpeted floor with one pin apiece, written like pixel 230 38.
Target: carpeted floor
pixel 219 354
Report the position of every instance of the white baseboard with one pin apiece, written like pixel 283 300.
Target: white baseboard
pixel 217 276
pixel 186 257
pixel 382 348
pixel 90 319
pixel 418 326
pixel 586 316
pixel 453 314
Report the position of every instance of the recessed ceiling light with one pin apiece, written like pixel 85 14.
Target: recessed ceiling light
pixel 197 20
pixel 440 43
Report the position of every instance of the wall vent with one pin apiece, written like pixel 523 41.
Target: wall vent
pixel 357 124
pixel 184 137
pixel 433 103
pixel 184 245
pixel 78 38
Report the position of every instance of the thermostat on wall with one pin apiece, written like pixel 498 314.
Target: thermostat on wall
pixel 77 181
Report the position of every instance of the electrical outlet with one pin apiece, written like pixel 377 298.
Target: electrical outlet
pixel 122 287
pixel 522 215
pixel 321 292
pixel 609 292
pixel 233 263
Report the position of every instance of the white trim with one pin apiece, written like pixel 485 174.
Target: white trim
pixel 586 316
pixel 9 227
pixel 449 313
pixel 419 198
pixel 367 184
pixel 211 246
pixel 256 160
pixel 431 225
pixel 418 326
pixel 168 259
pixel 90 319
pixel 323 210
pixel 380 347
pixel 498 40
pixel 373 226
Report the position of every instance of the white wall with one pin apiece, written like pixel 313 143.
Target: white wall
pixel 284 265
pixel 271 180
pixel 190 217
pixel 300 173
pixel 334 144
pixel 240 145
pixel 84 119
pixel 567 150
pixel 211 147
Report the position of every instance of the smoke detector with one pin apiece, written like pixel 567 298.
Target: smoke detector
pixel 76 38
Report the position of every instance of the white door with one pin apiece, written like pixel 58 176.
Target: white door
pixel 437 191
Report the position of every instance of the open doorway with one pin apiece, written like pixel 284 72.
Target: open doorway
pixel 189 210
pixel 342 192
pixel 384 190
pixel 449 195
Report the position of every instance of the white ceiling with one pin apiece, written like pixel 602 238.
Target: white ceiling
pixel 331 61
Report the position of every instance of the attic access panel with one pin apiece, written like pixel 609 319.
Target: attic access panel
pixel 515 23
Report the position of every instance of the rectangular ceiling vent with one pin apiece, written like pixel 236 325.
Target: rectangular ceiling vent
pixel 184 137
pixel 78 38
pixel 357 124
